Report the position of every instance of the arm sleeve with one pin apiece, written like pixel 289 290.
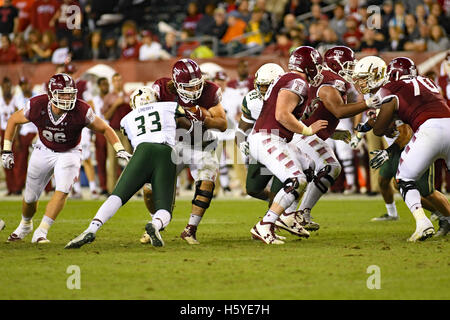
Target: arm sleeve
pixel 245 109
pixel 90 116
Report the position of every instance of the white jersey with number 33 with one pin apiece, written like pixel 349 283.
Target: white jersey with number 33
pixel 153 123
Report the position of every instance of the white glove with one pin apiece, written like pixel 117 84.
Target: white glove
pixel 355 140
pixel 380 157
pixel 343 135
pixel 123 156
pixel 374 102
pixel 7 159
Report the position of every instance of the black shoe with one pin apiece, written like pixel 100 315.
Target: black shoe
pixel 444 228
pixel 81 240
pixel 155 238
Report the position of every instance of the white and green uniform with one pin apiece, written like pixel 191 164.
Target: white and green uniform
pixel 251 107
pixel 151 130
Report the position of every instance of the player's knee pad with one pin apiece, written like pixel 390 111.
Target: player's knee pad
pixel 323 180
pixel 288 193
pixel 203 193
pixel 406 186
pixel 290 186
pixel 30 196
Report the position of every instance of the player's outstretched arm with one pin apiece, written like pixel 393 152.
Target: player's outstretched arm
pixel 218 119
pixel 332 100
pixel 16 119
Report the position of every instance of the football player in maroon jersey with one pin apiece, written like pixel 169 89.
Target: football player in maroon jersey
pixel 189 89
pixel 331 99
pixel 59 117
pixel 416 101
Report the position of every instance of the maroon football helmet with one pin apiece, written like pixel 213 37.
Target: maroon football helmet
pixel 307 60
pixel 62 91
pixel 188 79
pixel 340 60
pixel 399 67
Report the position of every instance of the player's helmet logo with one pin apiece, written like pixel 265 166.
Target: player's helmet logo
pixel 62 91
pixel 340 60
pixel 307 60
pixel 401 67
pixel 142 97
pixel 188 79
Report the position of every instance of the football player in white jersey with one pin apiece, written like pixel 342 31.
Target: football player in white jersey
pixel 151 128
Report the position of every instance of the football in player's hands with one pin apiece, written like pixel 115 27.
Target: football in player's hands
pixel 197 113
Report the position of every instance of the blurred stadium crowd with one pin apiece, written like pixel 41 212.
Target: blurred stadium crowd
pixel 53 30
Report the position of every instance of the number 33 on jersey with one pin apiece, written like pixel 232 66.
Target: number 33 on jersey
pixel 153 122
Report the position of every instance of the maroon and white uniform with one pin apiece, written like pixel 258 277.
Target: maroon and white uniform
pixel 422 107
pixel 58 149
pixel 203 164
pixel 269 141
pixel 315 146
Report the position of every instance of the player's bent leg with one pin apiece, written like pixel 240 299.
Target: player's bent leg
pixel 257 179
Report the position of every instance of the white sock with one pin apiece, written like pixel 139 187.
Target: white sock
pixel 161 219
pixel 391 209
pixel 313 195
pixel 77 187
pixel 293 207
pixel 194 220
pixel 45 225
pixel 92 186
pixel 26 220
pixel 270 217
pixel 106 211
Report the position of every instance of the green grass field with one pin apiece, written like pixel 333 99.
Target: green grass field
pixel 331 264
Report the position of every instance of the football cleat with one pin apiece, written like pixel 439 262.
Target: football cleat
pixel 385 217
pixel 21 232
pixel 434 216
pixel 289 222
pixel 305 220
pixel 39 237
pixel 145 238
pixel 265 231
pixel 444 228
pixel 81 240
pixel 424 230
pixel 2 225
pixel 188 234
pixel 154 235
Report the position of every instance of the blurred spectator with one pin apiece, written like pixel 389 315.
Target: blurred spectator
pixel 352 37
pixel 207 20
pixel 112 50
pixel 387 14
pixel 8 52
pixel 170 42
pixel 297 7
pixel 95 49
pixel 9 21
pixel 281 47
pixel 420 43
pixel 317 16
pixel 260 28
pixel 411 30
pixel 244 11
pixel 236 27
pixel 351 8
pixel 329 40
pixel 187 46
pixel 192 18
pixel 67 20
pixel 62 53
pixel 421 14
pixel 219 27
pixel 437 40
pixel 268 17
pixel 203 51
pixel 43 50
pixel 396 41
pixel 77 44
pixel 443 21
pixel 43 15
pixel 21 46
pixel 132 45
pixel 370 44
pixel 398 21
pixel 337 23
pixel 432 20
pixel 315 34
pixel 24 7
pixel 150 49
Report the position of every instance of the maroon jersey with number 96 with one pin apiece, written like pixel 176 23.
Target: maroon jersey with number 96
pixel 60 134
pixel 418 100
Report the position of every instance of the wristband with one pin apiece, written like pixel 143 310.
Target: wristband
pixel 307 131
pixel 118 146
pixel 7 145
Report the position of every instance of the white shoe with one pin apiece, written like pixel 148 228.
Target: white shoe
pixel 21 232
pixel 288 222
pixel 265 231
pixel 39 237
pixel 424 230
pixel 2 225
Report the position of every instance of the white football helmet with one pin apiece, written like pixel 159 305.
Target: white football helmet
pixel 265 75
pixel 209 70
pixel 370 73
pixel 143 96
